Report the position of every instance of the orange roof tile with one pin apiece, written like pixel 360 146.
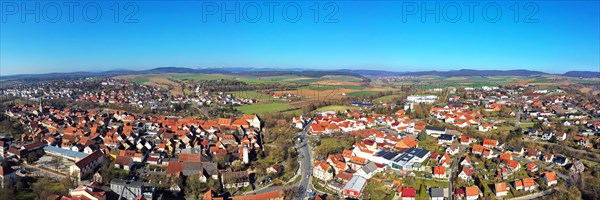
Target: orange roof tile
pixel 472 191
pixel 439 170
pixel 500 187
pixel 550 176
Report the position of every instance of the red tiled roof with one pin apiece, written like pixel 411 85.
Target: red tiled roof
pixel 500 187
pixel 174 167
pixel 409 192
pixel 88 159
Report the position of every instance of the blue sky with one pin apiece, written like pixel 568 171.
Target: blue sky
pixel 367 35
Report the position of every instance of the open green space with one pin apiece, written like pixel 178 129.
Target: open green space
pixel 342 78
pixel 336 108
pixel 251 94
pixel 376 190
pixel 333 87
pixel 333 145
pixel 139 80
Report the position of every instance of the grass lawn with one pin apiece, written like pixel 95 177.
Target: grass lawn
pixel 588 163
pixel 295 112
pixel 521 174
pixel 375 190
pixel 25 194
pixel 251 94
pixel 429 144
pixel 264 108
pixel 526 126
pixel 336 108
pixel 362 93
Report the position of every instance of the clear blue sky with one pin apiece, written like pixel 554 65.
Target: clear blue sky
pixel 367 35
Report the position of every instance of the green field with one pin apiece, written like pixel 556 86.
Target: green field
pixel 294 112
pixel 250 94
pixel 362 93
pixel 305 80
pixel 336 108
pixel 264 108
pixel 139 80
pixel 342 78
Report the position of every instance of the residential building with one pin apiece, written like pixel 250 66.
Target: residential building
pixel 435 131
pixel 323 171
pixel 437 193
pixel 549 178
pixel 500 189
pixel 237 179
pixel 409 193
pixel 87 165
pixel 91 191
pixel 127 189
pixel 472 193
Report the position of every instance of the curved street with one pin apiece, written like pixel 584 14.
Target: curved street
pixel 305 161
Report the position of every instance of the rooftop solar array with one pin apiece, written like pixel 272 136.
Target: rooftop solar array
pixel 410 154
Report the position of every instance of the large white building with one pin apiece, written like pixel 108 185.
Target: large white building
pixel 422 98
pixel 410 159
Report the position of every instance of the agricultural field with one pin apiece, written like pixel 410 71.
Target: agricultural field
pixel 362 93
pixel 155 80
pixel 251 94
pixel 336 108
pixel 201 76
pixel 140 80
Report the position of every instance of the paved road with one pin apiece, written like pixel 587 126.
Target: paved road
pixel 305 165
pixel 518 119
pixel 305 160
pixel 455 166
pixel 586 113
pixel 534 195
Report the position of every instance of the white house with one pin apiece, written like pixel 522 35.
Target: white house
pixel 323 171
pixel 368 170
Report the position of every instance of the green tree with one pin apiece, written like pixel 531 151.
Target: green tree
pixel 220 159
pixel 194 187
pixel 553 139
pixel 422 136
pixel 237 165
